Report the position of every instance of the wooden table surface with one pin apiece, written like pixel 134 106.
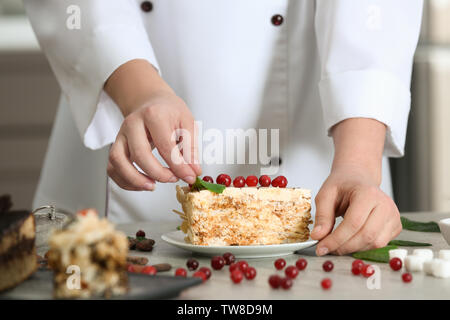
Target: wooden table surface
pixel 307 284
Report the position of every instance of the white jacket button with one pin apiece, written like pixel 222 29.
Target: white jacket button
pixel 147 6
pixel 277 19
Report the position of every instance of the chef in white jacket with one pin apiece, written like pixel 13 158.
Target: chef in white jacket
pixel 332 75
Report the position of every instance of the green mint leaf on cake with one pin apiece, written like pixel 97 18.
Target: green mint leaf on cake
pixel 412 225
pixel 376 255
pixel 203 185
pixel 406 243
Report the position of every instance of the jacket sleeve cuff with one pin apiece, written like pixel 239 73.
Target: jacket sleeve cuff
pixel 372 93
pixel 106 49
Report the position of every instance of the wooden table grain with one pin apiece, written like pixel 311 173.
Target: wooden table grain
pixel 307 284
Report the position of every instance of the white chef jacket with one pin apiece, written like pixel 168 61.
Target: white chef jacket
pixel 327 61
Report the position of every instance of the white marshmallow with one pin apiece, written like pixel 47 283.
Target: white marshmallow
pixel 444 254
pixel 398 253
pixel 428 267
pixel 441 268
pixel 426 254
pixel 414 262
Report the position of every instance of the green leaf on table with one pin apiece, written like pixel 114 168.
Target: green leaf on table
pixel 406 243
pixel 179 228
pixel 376 255
pixel 199 184
pixel 412 225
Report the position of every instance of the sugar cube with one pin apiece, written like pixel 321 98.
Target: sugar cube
pixel 398 253
pixel 426 254
pixel 444 254
pixel 414 262
pixel 441 268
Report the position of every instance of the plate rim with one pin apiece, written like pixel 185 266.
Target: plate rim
pixel 164 237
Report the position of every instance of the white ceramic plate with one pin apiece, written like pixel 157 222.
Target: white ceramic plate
pixel 176 238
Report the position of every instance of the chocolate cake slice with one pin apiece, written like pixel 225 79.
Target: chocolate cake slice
pixel 17 247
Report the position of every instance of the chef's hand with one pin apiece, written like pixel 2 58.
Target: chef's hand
pixel 153 116
pixel 371 218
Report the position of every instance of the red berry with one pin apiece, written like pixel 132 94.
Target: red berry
pixel 280 182
pixel 233 266
pixel 201 275
pixel 396 264
pixel 326 283
pixel 181 272
pixel 328 266
pixel 251 181
pixel 140 234
pixel 359 264
pixel 229 258
pixel 367 270
pixel 130 268
pixel 264 181
pixel 291 272
pixel 243 265
pixel 407 277
pixel 301 264
pixel 149 270
pixel 239 182
pixel 192 264
pixel 237 276
pixel 250 273
pixel 275 281
pixel 208 179
pixel 217 262
pixel 206 271
pixel 286 283
pixel 223 179
pixel 356 271
pixel 280 264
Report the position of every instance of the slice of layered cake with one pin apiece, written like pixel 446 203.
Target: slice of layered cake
pixel 93 249
pixel 245 216
pixel 17 248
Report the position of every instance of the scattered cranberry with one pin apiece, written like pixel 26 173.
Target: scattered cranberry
pixel 243 265
pixel 301 264
pixel 367 270
pixel 224 179
pixel 250 273
pixel 280 182
pixel 407 277
pixel 239 182
pixel 151 270
pixel 140 234
pixel 396 264
pixel 130 268
pixel 181 272
pixel 234 266
pixel 237 276
pixel 217 262
pixel 356 271
pixel 358 264
pixel 206 271
pixel 286 283
pixel 208 179
pixel 280 264
pixel 275 281
pixel 201 275
pixel 328 266
pixel 251 181
pixel 326 283
pixel 264 181
pixel 192 264
pixel 291 272
pixel 229 258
